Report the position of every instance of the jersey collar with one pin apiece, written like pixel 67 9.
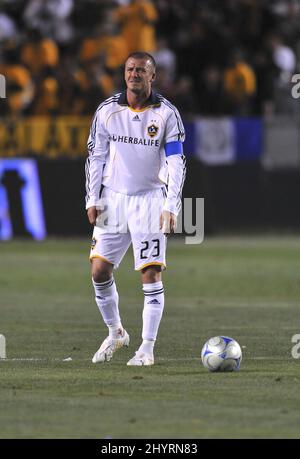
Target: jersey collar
pixel 152 100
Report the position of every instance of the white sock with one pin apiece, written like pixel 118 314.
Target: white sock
pixel 107 300
pixel 153 309
pixel 146 347
pixel 116 331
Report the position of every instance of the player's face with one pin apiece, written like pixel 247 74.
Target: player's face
pixel 139 75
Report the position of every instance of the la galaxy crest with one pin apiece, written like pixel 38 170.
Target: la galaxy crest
pixel 152 129
pixel 93 244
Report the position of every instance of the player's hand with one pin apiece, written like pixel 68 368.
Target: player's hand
pixel 92 214
pixel 168 222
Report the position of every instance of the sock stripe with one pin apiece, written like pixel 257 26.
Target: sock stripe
pixel 106 286
pixel 103 285
pixel 154 292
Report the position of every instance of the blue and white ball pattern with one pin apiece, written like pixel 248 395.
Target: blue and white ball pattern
pixel 221 353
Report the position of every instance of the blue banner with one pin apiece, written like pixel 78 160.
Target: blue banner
pixel 224 140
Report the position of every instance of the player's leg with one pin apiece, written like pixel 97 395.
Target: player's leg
pixel 107 299
pixel 150 259
pixel 106 295
pixel 154 301
pixel 107 251
pixel 152 314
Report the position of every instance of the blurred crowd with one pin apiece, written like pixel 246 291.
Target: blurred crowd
pixel 237 57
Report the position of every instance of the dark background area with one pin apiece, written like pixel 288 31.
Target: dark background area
pixel 237 197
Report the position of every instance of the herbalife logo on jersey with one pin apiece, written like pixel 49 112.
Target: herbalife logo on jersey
pixel 135 140
pixel 136 118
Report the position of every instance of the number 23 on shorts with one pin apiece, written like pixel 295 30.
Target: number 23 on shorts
pixel 156 248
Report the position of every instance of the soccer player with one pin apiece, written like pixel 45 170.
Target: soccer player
pixel 137 168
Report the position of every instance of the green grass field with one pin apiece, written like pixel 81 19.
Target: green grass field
pixel 248 288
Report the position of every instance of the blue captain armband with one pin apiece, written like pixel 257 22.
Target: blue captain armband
pixel 173 148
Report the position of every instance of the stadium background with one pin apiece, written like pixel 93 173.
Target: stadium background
pixel 227 66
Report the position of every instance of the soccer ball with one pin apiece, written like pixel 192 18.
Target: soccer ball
pixel 221 353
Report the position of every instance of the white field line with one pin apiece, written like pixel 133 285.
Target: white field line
pixel 188 359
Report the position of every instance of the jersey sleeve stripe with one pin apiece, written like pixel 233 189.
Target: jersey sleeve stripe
pixel 174 109
pixel 182 182
pixel 91 142
pixel 87 179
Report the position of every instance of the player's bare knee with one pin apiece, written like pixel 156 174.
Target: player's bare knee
pixel 151 274
pixel 100 275
pixel 101 270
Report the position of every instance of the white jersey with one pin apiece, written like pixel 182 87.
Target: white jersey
pixel 127 150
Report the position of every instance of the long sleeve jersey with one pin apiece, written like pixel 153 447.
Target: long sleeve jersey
pixel 135 151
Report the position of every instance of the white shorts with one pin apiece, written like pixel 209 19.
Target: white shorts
pixel 130 219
